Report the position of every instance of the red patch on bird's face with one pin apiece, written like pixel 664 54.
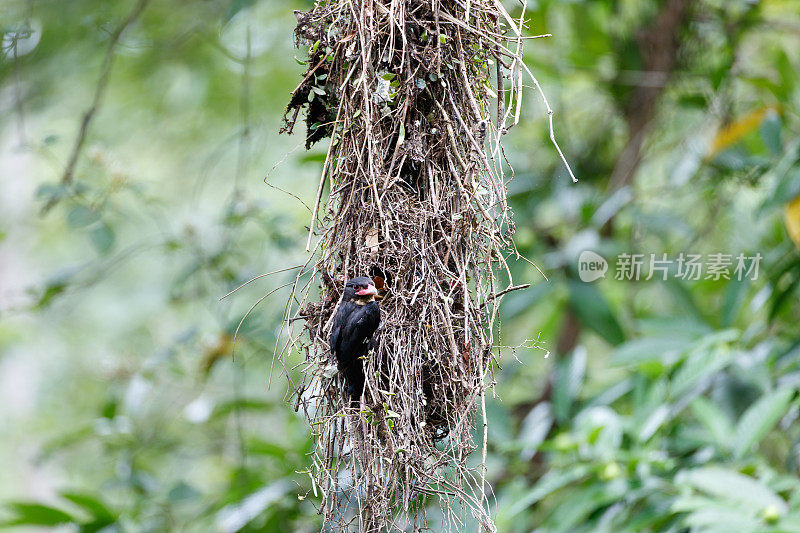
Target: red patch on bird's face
pixel 369 289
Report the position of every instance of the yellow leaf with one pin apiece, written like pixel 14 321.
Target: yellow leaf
pixel 791 215
pixel 737 129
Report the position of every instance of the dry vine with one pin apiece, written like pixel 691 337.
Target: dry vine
pixel 405 89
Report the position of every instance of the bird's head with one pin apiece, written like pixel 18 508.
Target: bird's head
pixel 361 289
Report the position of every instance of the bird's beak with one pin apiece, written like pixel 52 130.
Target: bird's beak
pixel 369 290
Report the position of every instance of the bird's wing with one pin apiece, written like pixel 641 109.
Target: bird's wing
pixel 361 323
pixel 338 324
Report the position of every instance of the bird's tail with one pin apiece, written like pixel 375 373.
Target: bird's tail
pixel 354 379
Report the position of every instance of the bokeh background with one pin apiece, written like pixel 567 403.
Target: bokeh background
pixel 663 405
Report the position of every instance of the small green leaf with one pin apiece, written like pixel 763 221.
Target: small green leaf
pixel 443 38
pixel 771 132
pixel 103 238
pixel 732 486
pixel 54 286
pixel 81 216
pixel 569 375
pixel 402 135
pixel 182 492
pixel 759 419
pixel 657 418
pixel 549 483
pixel 713 419
pixel 318 90
pixel 594 312
pixel 735 295
pixel 35 514
pixel 93 506
pixel 51 191
pixel 236 6
pixel 654 348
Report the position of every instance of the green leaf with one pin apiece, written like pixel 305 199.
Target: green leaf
pixel 226 407
pixel 102 238
pixel 735 296
pixel 569 375
pixel 237 515
pixel 53 287
pixel 182 492
pixel 732 486
pixel 759 419
pixel 51 191
pixel 263 447
pixel 35 514
pixel 549 483
pixel 234 7
pixel 714 420
pixel 662 349
pixel 771 132
pixel 657 418
pixel 574 511
pixel 534 429
pixel 699 365
pixel 402 135
pixel 594 312
pixel 81 216
pixel 786 174
pixel 90 504
pixel 788 75
pixel 784 295
pixel 720 518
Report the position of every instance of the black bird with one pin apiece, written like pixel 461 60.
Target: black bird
pixel 355 322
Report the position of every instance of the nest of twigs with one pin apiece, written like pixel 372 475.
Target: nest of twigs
pixel 407 92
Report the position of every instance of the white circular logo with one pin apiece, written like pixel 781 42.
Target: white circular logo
pixel 591 266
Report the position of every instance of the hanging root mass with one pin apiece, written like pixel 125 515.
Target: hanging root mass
pixel 414 96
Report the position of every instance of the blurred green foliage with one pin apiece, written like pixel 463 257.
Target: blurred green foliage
pixel 663 406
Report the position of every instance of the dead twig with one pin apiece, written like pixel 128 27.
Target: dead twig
pixel 97 99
